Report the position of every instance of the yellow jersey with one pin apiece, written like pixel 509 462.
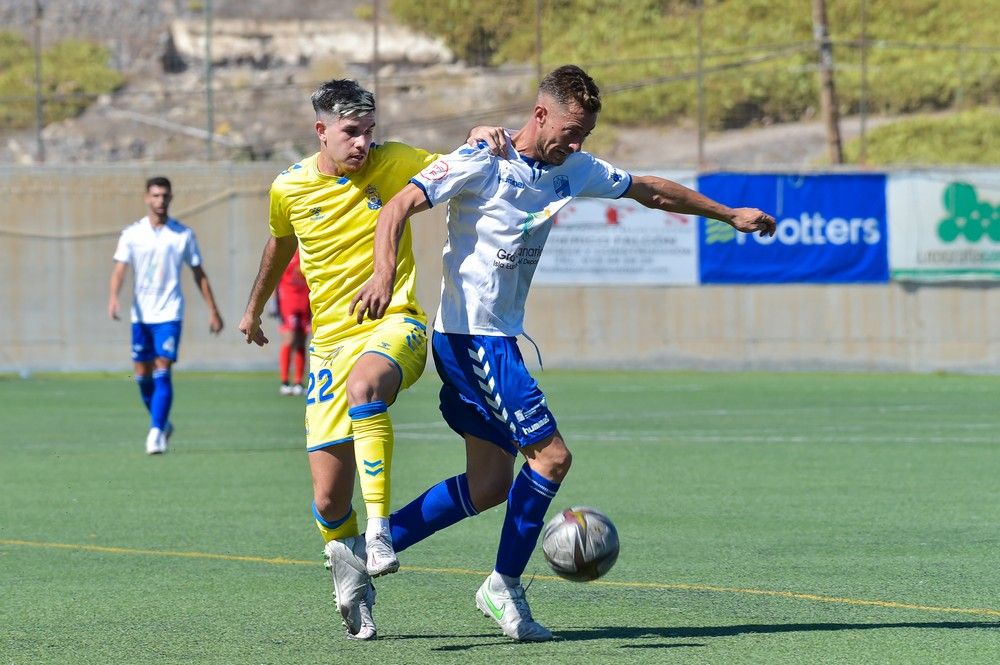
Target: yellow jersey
pixel 334 218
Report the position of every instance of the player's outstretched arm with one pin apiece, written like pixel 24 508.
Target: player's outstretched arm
pixel 273 261
pixel 663 194
pixel 372 299
pixel 117 277
pixel 214 318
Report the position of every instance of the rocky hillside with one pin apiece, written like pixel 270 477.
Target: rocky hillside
pixel 266 62
pixel 264 67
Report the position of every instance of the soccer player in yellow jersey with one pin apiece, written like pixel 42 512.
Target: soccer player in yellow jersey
pixel 327 206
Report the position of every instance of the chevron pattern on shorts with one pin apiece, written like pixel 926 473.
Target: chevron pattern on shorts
pixel 487 384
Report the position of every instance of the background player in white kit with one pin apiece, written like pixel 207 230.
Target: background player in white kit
pixel 499 216
pixel 156 247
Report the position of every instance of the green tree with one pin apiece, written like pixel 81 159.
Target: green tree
pixel 479 33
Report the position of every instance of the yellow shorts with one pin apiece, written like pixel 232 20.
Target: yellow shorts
pixel 401 339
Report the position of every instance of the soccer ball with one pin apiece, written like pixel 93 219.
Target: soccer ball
pixel 580 544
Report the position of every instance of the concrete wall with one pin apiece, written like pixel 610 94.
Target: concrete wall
pixel 58 231
pixel 885 327
pixel 59 227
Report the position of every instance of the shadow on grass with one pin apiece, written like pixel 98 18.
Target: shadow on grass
pixel 682 632
pixel 619 632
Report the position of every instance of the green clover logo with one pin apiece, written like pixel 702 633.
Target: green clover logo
pixel 968 216
pixel 716 231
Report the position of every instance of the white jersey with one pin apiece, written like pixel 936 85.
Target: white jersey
pixel 499 216
pixel 156 257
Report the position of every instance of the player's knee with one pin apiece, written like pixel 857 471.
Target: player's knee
pixel 554 460
pixel 561 464
pixel 360 391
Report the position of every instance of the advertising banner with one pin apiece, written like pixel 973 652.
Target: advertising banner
pixel 620 242
pixel 944 225
pixel 831 229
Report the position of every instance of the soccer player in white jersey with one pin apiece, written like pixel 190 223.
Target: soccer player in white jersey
pixel 326 206
pixel 499 216
pixel 157 246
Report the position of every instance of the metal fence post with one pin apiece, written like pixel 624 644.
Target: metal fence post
pixel 209 104
pixel 39 98
pixel 828 90
pixel 701 86
pixel 863 93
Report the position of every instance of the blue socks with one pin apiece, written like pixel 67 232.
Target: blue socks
pixel 162 398
pixel 146 386
pixel 529 499
pixel 448 502
pixel 439 507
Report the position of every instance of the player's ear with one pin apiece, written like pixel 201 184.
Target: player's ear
pixel 321 130
pixel 541 114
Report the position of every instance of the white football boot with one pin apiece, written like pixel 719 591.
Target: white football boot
pixel 156 442
pixel 367 631
pixel 508 606
pixel 346 560
pixel 382 558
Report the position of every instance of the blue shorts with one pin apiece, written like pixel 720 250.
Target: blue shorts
pixel 155 340
pixel 488 391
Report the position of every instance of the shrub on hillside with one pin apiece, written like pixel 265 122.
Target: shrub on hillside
pixel 962 138
pixel 760 60
pixel 74 73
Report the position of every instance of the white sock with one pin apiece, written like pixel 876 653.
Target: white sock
pixel 507 579
pixel 377 524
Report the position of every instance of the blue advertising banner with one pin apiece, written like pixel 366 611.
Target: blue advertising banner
pixel 831 229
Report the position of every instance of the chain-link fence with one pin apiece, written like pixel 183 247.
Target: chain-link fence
pixel 226 80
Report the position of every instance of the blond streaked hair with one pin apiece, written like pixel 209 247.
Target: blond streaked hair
pixel 569 84
pixel 342 98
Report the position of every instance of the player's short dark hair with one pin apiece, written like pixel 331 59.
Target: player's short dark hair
pixel 342 98
pixel 158 181
pixel 568 84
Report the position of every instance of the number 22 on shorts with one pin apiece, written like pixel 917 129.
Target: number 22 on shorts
pixel 322 382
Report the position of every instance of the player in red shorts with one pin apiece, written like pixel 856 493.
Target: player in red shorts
pixel 292 295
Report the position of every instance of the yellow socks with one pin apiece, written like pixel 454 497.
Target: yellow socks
pixel 373 442
pixel 345 527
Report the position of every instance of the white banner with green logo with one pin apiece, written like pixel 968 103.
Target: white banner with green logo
pixel 944 225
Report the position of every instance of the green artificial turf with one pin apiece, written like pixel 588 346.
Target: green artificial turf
pixel 764 518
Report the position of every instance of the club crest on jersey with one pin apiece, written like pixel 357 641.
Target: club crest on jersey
pixel 561 184
pixel 374 200
pixel 316 213
pixel 436 171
